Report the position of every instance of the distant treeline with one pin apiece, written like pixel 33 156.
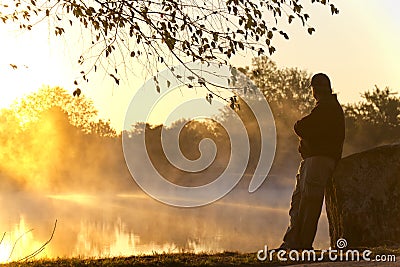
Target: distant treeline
pixel 53 141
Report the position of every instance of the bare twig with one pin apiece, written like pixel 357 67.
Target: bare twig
pixel 36 252
pixel 2 238
pixel 16 241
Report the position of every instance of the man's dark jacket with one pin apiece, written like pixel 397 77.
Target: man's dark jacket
pixel 322 131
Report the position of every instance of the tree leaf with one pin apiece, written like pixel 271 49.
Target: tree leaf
pixel 77 92
pixel 116 80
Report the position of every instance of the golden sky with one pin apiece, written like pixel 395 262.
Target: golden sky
pixel 357 48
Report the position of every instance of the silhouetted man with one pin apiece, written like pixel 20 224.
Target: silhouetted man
pixel 321 136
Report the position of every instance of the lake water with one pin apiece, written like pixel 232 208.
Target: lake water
pixel 98 225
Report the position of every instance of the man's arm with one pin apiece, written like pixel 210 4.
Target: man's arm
pixel 308 126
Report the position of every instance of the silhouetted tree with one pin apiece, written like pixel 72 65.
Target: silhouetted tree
pixel 286 89
pixel 373 121
pixel 80 110
pixel 379 107
pixel 102 128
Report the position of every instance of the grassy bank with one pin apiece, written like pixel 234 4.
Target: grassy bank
pixel 184 259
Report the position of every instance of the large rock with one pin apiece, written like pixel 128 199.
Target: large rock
pixel 363 198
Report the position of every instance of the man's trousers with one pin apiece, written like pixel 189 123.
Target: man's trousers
pixel 307 199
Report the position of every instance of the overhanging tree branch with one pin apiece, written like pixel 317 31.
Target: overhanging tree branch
pixel 165 31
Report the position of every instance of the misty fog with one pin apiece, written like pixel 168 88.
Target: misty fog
pixel 56 167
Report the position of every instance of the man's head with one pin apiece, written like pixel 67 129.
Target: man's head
pixel 321 86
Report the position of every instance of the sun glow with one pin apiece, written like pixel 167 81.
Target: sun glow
pixel 5 250
pixel 77 198
pixel 19 243
pixel 27 159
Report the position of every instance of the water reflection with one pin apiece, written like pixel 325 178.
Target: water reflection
pixel 134 224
